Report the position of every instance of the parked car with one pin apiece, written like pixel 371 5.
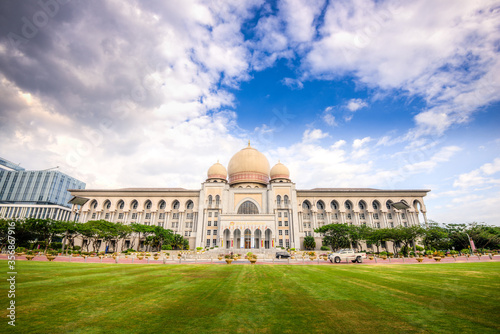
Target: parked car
pixel 280 255
pixel 346 255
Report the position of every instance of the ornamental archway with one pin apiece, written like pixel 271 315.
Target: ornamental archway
pixel 267 241
pixel 248 239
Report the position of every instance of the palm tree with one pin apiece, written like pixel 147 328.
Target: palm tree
pixel 309 242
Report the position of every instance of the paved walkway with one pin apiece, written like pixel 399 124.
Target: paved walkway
pixel 129 260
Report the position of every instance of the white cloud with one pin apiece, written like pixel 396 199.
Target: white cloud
pixel 300 16
pixel 330 119
pixel 313 135
pixel 293 83
pixel 356 104
pixel 479 177
pixel 408 48
pixel 117 107
pixel 358 143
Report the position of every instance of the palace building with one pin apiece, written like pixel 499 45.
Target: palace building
pixel 250 206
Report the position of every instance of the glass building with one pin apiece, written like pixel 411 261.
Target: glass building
pixel 39 193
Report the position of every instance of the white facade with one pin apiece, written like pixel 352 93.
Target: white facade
pixel 254 208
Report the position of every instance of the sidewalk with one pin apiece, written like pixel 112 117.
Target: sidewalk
pixel 192 260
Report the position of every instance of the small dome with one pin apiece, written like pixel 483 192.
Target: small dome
pixel 217 171
pixel 248 166
pixel 280 171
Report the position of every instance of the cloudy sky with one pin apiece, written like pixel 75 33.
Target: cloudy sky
pixel 382 94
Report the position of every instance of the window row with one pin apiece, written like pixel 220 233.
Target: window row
pixel 148 205
pixel 320 205
pixel 210 201
pixel 285 200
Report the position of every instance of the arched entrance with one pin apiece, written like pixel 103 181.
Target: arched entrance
pixel 227 238
pixel 258 238
pixel 267 242
pixel 237 238
pixel 248 239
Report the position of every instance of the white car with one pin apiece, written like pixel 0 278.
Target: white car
pixel 346 255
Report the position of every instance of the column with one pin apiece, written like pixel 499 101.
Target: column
pixel 252 238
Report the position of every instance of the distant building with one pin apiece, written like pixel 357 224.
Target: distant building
pixel 39 193
pixel 250 206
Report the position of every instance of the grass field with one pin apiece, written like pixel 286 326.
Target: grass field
pixel 102 298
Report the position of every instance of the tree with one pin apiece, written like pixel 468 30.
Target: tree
pixel 144 229
pixel 409 235
pixel 309 242
pixel 161 236
pixel 45 229
pixel 177 241
pixel 376 237
pixel 71 231
pixel 124 231
pixel 335 235
pixel 435 237
pixel 357 233
pixel 91 231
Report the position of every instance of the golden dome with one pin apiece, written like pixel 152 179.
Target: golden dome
pixel 217 171
pixel 248 166
pixel 280 171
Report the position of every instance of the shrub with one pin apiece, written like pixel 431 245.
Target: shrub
pixel 383 253
pixel 20 249
pixel 166 247
pixel 292 249
pixel 325 248
pixel 77 248
pixel 419 248
pixel 465 251
pixel 199 248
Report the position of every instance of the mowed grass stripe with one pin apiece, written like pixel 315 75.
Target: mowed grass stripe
pixel 109 298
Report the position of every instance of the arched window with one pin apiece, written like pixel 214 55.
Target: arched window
pixel 217 201
pixel 388 205
pixel 134 205
pixel 285 200
pixel 93 205
pixel 107 205
pixel 209 201
pixel 278 200
pixel 306 205
pixel 320 205
pixel 121 205
pixel 148 205
pixel 162 205
pixel 375 205
pixel 176 205
pixel 362 205
pixel 190 205
pixel 348 205
pixel 248 208
pixel 334 205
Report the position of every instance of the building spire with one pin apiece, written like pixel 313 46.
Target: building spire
pixel 249 143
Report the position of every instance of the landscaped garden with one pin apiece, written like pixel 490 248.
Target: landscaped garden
pixel 56 297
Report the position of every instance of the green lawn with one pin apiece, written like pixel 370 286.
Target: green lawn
pixel 104 298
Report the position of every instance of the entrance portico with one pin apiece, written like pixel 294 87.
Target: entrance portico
pixel 248 234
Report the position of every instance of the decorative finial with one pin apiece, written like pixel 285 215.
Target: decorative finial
pixel 217 160
pixel 279 161
pixel 249 143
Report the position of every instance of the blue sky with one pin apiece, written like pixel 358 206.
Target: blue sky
pixel 380 94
